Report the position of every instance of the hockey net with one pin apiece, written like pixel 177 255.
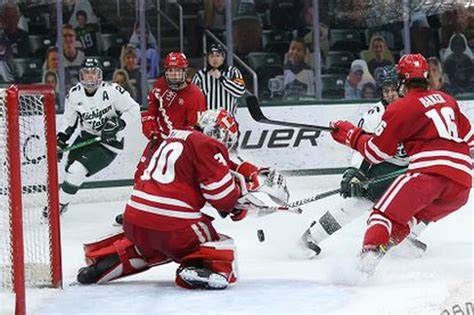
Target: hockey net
pixel 29 242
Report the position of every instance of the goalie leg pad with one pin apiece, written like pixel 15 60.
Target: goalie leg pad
pixel 213 260
pixel 114 257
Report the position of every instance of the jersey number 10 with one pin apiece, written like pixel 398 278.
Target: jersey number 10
pixel 161 167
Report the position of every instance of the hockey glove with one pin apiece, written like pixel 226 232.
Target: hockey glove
pixel 150 126
pixel 111 128
pixel 61 143
pixel 346 133
pixel 250 173
pixel 351 185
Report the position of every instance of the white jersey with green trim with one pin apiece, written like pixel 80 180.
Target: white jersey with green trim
pixel 89 113
pixel 369 122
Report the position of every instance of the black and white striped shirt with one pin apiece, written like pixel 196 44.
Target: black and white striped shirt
pixel 222 92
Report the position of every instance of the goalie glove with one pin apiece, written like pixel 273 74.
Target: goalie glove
pixel 274 185
pixel 351 185
pixel 111 128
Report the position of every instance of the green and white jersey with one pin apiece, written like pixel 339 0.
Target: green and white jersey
pixel 369 122
pixel 89 113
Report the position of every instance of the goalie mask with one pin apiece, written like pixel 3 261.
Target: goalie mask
pixel 176 65
pixel 90 74
pixel 220 125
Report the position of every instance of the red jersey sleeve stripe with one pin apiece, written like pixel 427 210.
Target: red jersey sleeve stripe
pixel 220 195
pixel 441 153
pixel 216 185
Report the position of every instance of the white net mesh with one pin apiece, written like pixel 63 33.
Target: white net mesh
pixel 34 170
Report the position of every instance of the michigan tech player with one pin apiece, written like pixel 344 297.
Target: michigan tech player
pixel 93 108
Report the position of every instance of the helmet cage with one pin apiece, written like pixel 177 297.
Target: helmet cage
pixel 220 125
pixel 91 85
pixel 175 77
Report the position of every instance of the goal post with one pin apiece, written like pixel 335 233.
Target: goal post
pixel 30 249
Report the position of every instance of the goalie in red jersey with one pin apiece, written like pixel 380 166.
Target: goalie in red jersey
pixel 436 136
pixel 163 221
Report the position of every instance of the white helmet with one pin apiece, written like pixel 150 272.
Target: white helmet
pixel 220 125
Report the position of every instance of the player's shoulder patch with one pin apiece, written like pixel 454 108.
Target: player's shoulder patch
pixel 74 91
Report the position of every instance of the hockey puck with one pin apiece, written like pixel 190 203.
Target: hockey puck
pixel 260 235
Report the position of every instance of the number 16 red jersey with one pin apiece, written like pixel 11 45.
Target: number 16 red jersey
pixel 433 131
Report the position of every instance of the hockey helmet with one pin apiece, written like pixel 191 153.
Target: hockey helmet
pixel 220 125
pixel 176 65
pixel 216 49
pixel 387 77
pixel 90 74
pixel 412 67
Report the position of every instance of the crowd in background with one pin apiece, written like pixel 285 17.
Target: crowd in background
pixel 274 37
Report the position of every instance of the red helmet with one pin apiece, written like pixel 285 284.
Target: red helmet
pixel 176 60
pixel 412 66
pixel 220 125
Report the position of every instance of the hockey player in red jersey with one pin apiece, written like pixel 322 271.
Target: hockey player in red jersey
pixel 163 221
pixel 436 136
pixel 174 102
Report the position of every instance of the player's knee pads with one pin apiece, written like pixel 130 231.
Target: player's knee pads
pixel 127 260
pixel 217 256
pixel 76 174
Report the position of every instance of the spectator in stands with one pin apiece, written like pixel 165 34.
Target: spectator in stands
pixel 436 77
pixel 129 63
pixel 152 56
pixel 378 54
pixel 73 57
pixel 214 15
pixel 368 91
pixel 458 63
pixel 86 33
pixel 247 28
pixel 18 38
pixel 352 88
pixel 6 60
pixel 120 77
pixel 305 31
pixel 51 63
pixel 50 77
pixel 298 76
pixel 71 7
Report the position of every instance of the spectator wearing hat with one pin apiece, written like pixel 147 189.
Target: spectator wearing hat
pixel 352 88
pixel 222 85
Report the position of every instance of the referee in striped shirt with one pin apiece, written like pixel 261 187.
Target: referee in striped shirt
pixel 221 84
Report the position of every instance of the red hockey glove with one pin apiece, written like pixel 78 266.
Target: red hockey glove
pixel 150 126
pixel 238 214
pixel 250 172
pixel 346 133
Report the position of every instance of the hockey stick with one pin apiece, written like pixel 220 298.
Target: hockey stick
pixel 365 184
pixel 70 148
pixel 257 114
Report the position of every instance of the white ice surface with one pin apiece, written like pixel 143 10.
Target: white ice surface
pixel 274 276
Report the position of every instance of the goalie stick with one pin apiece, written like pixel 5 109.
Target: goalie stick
pixel 257 114
pixel 301 202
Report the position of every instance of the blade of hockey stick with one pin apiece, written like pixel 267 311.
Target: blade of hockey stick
pixel 257 114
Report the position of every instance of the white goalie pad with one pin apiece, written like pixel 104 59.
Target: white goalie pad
pixel 274 185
